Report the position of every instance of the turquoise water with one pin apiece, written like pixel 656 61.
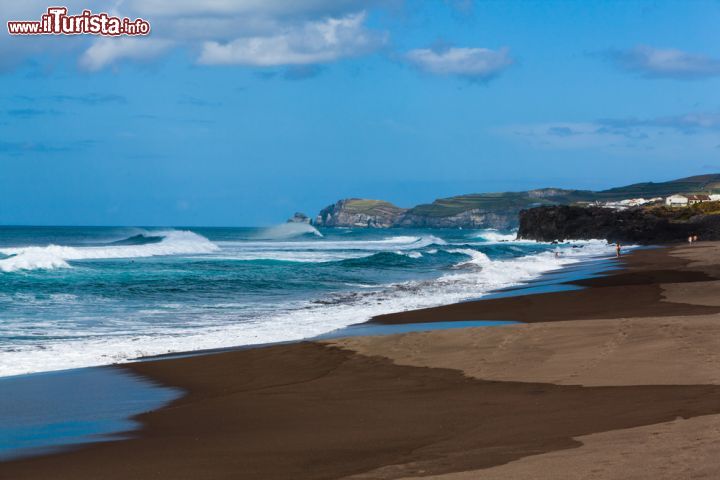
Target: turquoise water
pixel 73 297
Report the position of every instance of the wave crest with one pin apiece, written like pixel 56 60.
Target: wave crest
pixel 477 259
pixel 494 236
pixel 288 230
pixel 173 242
pixel 139 239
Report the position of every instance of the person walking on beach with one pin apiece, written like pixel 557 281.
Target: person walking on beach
pixel 695 238
pixel 690 238
pixel 617 250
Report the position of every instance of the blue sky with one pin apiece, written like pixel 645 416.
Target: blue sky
pixel 240 112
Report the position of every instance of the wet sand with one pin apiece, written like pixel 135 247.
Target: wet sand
pixel 619 380
pixel 636 291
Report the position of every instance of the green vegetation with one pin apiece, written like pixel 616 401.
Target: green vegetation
pixel 686 213
pixel 446 207
pixel 370 207
pixel 513 201
pixel 501 210
pixel 697 184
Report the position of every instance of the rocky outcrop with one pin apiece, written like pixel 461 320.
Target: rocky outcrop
pixel 357 212
pixel 635 225
pixel 299 217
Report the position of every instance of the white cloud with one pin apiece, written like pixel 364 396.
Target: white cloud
pixel 473 63
pixel 692 132
pixel 310 43
pixel 251 7
pixel 246 32
pixel 106 51
pixel 14 50
pixel 668 63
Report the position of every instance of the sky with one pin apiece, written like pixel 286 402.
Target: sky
pixel 241 112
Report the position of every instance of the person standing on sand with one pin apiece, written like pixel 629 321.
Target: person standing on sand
pixel 617 249
pixel 690 239
pixel 695 238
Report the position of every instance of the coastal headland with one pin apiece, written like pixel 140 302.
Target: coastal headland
pixel 504 210
pixel 620 379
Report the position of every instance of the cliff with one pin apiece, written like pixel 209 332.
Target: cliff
pixel 493 210
pixel 484 210
pixel 636 225
pixel 481 210
pixel 357 212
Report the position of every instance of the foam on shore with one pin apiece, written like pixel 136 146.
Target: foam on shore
pixel 471 278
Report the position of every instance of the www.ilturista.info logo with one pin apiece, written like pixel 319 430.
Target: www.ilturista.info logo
pixel 57 22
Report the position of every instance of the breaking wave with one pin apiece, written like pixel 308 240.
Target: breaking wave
pixel 173 242
pixel 305 319
pixel 495 236
pixel 321 250
pixel 241 288
pixel 139 239
pixel 288 230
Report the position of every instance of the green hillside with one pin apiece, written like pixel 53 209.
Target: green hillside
pixel 370 207
pixel 446 207
pixel 698 184
pixel 512 201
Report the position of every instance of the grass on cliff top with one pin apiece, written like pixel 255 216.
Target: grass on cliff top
pixel 686 213
pixel 370 206
pixel 509 201
pixel 696 184
pixel 500 202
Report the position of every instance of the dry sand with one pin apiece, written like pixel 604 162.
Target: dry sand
pixel 677 450
pixel 643 351
pixel 627 351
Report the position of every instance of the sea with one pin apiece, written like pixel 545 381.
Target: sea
pixel 85 296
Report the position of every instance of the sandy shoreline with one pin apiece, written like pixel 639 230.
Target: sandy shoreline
pixel 618 380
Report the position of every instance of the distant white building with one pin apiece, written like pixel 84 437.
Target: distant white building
pixel 692 199
pixel 627 203
pixel 685 200
pixel 676 201
pixel 714 197
pixel 635 202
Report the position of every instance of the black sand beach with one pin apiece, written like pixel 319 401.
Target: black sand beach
pixel 632 351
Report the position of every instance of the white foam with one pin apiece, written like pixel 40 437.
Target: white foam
pixel 410 254
pixel 174 242
pixel 298 321
pixel 477 259
pixel 288 230
pixel 494 236
pixel 322 250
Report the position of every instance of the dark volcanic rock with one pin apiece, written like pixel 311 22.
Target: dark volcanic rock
pixel 635 225
pixel 299 217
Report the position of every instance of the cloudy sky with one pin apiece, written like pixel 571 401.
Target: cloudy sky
pixel 240 112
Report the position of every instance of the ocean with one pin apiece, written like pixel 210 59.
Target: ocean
pixel 84 296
